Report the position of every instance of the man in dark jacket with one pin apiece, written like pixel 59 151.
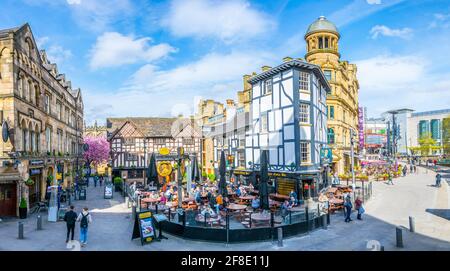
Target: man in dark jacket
pixel 70 217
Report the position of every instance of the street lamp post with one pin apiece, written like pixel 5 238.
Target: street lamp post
pixel 352 141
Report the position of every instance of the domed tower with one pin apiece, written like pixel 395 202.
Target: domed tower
pixel 322 39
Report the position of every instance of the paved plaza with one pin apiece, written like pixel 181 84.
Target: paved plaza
pixel 390 206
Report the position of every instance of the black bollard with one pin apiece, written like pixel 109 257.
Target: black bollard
pixel 280 237
pixel 184 218
pixel 399 237
pixel 39 223
pixel 324 222
pixel 412 224
pixel 20 224
pixel 156 208
pixel 170 215
pixel 290 217
pixel 133 210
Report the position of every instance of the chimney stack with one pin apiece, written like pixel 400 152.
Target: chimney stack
pixel 287 59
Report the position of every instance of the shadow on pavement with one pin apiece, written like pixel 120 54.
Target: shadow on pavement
pixel 444 213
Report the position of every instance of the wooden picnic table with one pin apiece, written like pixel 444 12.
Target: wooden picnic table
pixel 279 196
pixel 260 217
pixel 236 207
pixel 247 197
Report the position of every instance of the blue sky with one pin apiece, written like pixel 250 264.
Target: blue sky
pixel 158 58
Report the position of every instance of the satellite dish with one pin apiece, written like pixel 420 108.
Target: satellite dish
pixel 5 131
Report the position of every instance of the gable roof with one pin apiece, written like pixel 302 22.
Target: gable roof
pixel 150 127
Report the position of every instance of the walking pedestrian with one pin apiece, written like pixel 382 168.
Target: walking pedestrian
pixel 390 179
pixel 70 217
pixel 85 219
pixel 404 170
pixel 415 169
pixel 348 208
pixel 438 180
pixel 101 180
pixel 411 168
pixel 359 208
pixel 95 180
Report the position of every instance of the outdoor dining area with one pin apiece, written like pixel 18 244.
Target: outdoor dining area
pixel 225 205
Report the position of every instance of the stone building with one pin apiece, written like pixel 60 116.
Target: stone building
pixel 322 46
pixel 223 127
pixel 42 116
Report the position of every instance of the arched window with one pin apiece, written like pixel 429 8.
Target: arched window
pixel 32 139
pixel 37 137
pixel 320 42
pixel 32 93
pixel 36 95
pixel 327 43
pixel 26 89
pixel 24 136
pixel 330 136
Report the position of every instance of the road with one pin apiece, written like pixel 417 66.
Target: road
pixel 390 206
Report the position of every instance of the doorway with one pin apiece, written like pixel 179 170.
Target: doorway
pixel 8 200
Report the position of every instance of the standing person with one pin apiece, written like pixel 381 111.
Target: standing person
pixel 411 168
pixel 359 208
pixel 404 169
pixel 95 180
pixel 438 180
pixel 101 180
pixel 348 208
pixel 70 217
pixel 85 219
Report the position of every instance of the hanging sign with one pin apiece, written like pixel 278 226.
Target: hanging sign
pixel 164 168
pixel 5 131
pixel 164 151
pixel 143 227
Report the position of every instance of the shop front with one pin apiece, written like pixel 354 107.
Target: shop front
pixel 35 175
pixel 9 194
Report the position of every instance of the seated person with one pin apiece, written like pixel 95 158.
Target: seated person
pixel 251 188
pixel 219 202
pixel 292 202
pixel 208 211
pixel 293 194
pixel 197 196
pixel 238 191
pixel 255 203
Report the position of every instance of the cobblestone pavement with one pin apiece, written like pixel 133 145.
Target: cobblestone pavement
pixel 390 206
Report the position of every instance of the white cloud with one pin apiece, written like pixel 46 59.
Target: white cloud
pixel 440 20
pixel 225 20
pixel 358 10
pixel 73 2
pixel 98 15
pixel 388 81
pixel 404 33
pixel 113 49
pixel 374 2
pixel 57 54
pixel 178 90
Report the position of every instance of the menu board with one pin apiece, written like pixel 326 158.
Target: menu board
pixel 143 227
pixel 108 192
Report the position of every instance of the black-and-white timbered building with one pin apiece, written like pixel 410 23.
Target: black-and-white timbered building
pixel 288 118
pixel 133 140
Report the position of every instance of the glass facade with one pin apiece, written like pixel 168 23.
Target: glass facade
pixel 423 128
pixel 435 129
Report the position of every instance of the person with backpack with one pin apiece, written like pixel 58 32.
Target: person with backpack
pixel 70 217
pixel 85 219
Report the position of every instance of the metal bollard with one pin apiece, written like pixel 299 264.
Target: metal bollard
pixel 412 224
pixel 280 237
pixel 399 237
pixel 324 222
pixel 382 248
pixel 127 202
pixel 39 223
pixel 20 230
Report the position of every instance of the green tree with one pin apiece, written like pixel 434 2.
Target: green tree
pixel 427 144
pixel 446 135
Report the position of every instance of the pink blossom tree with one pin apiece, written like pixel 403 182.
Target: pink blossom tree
pixel 98 151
